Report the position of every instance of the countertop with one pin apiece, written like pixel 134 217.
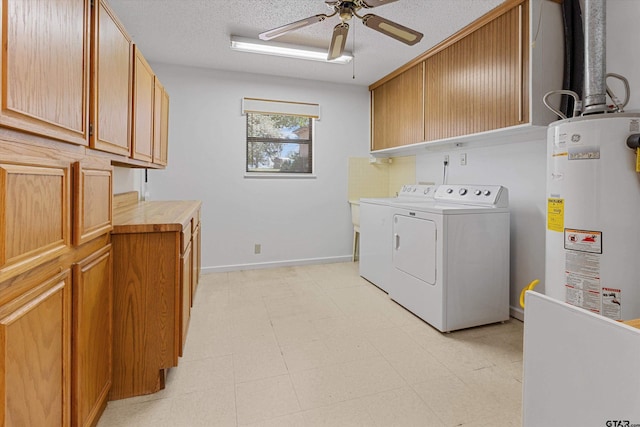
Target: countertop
pixel 154 216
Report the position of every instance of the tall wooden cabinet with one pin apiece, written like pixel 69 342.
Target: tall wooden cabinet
pixel 45 68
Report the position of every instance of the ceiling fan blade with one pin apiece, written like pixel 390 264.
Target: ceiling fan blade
pixel 391 29
pixel 277 32
pixel 338 41
pixel 374 3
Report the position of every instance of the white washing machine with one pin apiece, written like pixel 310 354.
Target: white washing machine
pixel 450 256
pixel 375 232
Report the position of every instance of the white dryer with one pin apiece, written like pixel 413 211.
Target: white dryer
pixel 375 232
pixel 450 256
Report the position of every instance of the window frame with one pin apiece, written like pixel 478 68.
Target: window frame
pixel 249 173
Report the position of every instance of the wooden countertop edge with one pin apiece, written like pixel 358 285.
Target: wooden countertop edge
pixel 143 217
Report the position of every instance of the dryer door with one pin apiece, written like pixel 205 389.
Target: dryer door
pixel 414 247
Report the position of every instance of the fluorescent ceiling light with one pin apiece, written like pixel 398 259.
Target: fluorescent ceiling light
pixel 286 50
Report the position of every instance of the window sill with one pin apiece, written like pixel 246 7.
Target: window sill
pixel 258 175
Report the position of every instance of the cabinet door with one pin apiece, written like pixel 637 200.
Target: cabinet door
pixel 477 84
pixel 185 286
pixel 34 356
pixel 92 336
pixel 143 91
pixel 44 68
pixel 111 91
pixel 92 204
pixel 398 111
pixel 195 277
pixel 160 124
pixel 35 220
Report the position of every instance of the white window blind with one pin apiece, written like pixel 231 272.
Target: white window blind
pixel 269 106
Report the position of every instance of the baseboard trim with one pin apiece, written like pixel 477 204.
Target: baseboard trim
pixel 517 312
pixel 275 264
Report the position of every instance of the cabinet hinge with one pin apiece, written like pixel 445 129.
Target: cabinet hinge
pixel 90 129
pixel 91 3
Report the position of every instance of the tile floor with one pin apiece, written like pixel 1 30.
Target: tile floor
pixel 319 346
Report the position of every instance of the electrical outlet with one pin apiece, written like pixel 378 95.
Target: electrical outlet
pixel 257 248
pixel 446 158
pixel 463 159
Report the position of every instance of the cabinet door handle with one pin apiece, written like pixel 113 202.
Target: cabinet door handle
pixel 397 240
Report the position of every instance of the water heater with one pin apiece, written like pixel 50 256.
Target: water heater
pixel 593 215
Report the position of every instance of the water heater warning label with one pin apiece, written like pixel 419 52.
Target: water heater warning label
pixel 583 240
pixel 555 214
pixel 612 303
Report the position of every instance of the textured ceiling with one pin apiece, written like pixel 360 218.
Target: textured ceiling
pixel 197 33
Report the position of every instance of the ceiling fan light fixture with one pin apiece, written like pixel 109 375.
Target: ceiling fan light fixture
pixel 285 50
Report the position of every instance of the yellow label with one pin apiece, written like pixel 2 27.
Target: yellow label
pixel 637 159
pixel 555 215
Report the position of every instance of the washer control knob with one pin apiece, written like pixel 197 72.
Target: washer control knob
pixel 413 189
pixel 462 191
pixel 487 192
pixel 449 190
pixel 477 192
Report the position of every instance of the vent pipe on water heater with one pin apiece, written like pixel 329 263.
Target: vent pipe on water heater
pixel 595 86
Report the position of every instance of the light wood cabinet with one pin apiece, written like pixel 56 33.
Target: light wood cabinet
pixel 186 285
pixel 143 103
pixel 111 83
pixel 489 76
pixel 92 205
pixel 34 213
pixel 398 110
pixel 153 262
pixel 44 66
pixel 35 343
pixel 477 84
pixel 92 326
pixel 196 238
pixel 160 124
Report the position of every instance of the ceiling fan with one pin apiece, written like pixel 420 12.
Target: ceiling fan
pixel 347 10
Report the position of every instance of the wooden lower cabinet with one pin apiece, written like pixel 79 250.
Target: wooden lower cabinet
pixel 153 261
pixel 35 345
pixel 186 284
pixel 92 336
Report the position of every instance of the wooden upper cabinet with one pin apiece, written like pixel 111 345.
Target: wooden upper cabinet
pixel 477 83
pixel 160 124
pixel 111 85
pixel 35 340
pixel 143 91
pixel 44 68
pixel 398 111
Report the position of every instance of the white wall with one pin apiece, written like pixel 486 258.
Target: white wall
pixel 295 220
pixel 521 167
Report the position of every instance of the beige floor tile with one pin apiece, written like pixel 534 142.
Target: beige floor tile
pixel 351 413
pixel 255 342
pixel 392 340
pixel 293 420
pixel 417 365
pixel 455 402
pixel 152 413
pixel 253 365
pixel 265 399
pixel 459 356
pixel 336 383
pixel 295 330
pixel 400 408
pixel 199 375
pixel 213 407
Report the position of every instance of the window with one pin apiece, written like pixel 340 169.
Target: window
pixel 279 143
